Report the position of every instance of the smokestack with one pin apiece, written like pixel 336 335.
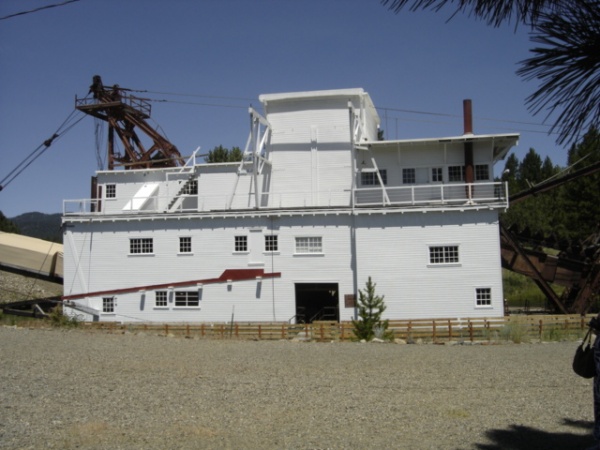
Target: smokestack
pixel 468 127
pixel 468 116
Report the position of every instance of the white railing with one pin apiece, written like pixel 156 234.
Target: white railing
pixel 422 196
pixel 432 195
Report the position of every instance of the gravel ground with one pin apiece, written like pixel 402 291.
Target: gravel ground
pixel 14 287
pixel 67 389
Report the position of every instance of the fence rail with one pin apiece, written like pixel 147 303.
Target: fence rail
pixel 510 328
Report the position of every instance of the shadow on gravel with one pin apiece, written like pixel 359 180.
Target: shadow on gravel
pixel 519 437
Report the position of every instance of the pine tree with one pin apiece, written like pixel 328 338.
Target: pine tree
pixel 370 309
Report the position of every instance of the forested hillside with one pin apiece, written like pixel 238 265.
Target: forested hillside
pixel 34 224
pixel 563 217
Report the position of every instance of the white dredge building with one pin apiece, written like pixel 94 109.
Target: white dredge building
pixel 293 232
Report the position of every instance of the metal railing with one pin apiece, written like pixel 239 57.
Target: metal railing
pixel 422 196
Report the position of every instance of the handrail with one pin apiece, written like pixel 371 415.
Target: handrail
pixel 426 195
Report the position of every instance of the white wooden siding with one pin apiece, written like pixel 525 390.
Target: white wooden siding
pixel 393 249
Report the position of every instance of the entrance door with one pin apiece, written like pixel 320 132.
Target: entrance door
pixel 317 301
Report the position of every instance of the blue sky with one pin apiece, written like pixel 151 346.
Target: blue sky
pixel 223 54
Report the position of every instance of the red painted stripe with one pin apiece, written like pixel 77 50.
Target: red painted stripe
pixel 227 275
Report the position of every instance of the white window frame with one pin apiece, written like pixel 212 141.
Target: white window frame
pixel 479 168
pixel 409 175
pixel 437 174
pixel 191 188
pixel 443 255
pixel 308 245
pixel 185 245
pixel 240 243
pixel 190 298
pixel 108 305
pixel 110 190
pixel 271 243
pixel 452 172
pixel 161 297
pixel 141 246
pixel 370 178
pixel 483 297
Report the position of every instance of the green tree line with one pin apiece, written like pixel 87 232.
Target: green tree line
pixel 562 217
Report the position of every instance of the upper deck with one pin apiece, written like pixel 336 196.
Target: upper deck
pixel 314 150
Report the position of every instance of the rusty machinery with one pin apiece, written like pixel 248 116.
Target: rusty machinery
pixel 124 113
pixel 576 266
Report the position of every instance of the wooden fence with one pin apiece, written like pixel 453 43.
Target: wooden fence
pixel 511 328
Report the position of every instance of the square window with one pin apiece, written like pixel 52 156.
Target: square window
pixel 190 188
pixel 437 175
pixel 483 297
pixel 160 298
pixel 443 254
pixel 111 191
pixel 241 244
pixel 185 245
pixel 309 244
pixel 108 304
pixel 456 173
pixel 271 243
pixel 409 176
pixel 187 299
pixel 141 245
pixel 482 172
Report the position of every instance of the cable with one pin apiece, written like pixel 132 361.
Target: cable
pixel 194 95
pixel 39 151
pixel 38 9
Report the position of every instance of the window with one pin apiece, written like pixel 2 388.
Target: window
pixel 185 245
pixel 370 178
pixel 141 245
pixel 160 299
pixel 108 305
pixel 482 172
pixel 190 188
pixel 483 297
pixel 309 244
pixel 443 254
pixel 456 173
pixel 437 175
pixel 111 191
pixel 241 244
pixel 271 243
pixel 408 176
pixel 187 298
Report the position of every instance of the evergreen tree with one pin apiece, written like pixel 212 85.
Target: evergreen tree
pixel 370 309
pixel 7 225
pixel 221 154
pixel 580 199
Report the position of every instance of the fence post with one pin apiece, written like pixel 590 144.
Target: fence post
pixel 470 330
pixel 449 330
pixel 282 331
pixel 202 330
pixel 187 330
pixel 259 331
pixel 541 327
pixel 166 329
pixel 342 326
pixel 434 335
pixel 322 332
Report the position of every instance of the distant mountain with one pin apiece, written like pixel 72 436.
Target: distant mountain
pixel 39 225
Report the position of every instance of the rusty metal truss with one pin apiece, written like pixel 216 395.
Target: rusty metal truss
pixel 124 114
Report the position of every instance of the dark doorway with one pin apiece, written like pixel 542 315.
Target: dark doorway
pixel 317 301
